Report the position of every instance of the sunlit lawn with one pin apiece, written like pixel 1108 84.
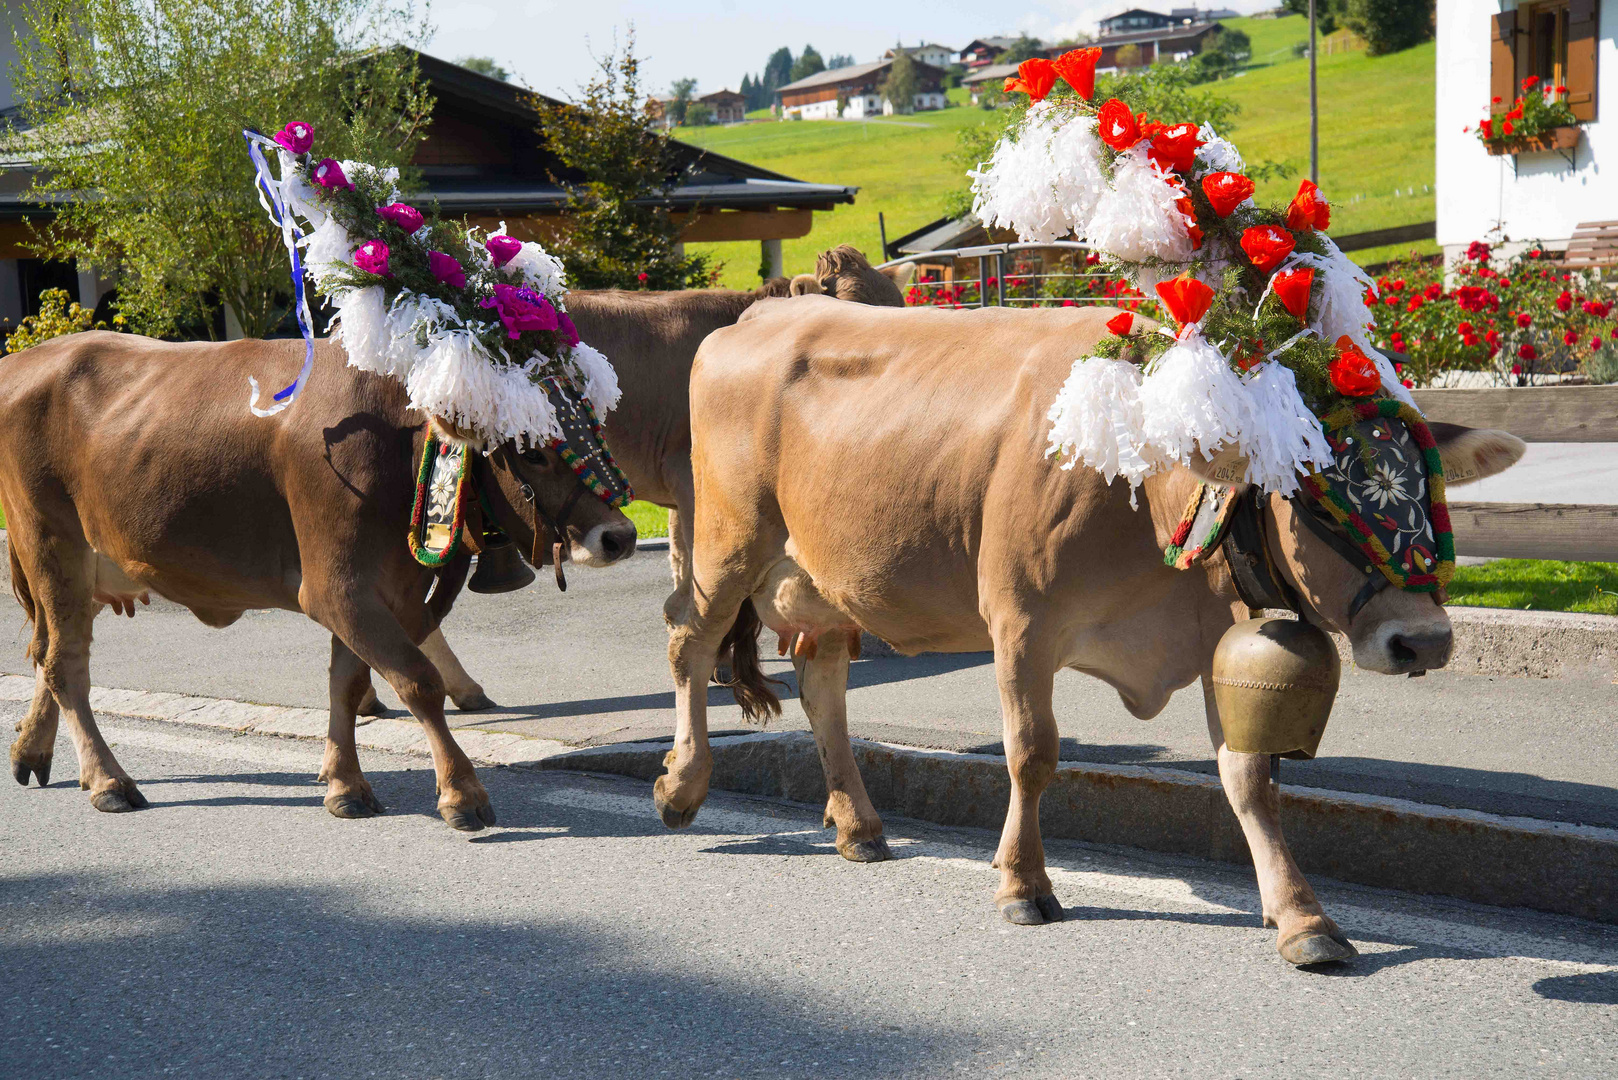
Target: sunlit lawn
pixel 1538 585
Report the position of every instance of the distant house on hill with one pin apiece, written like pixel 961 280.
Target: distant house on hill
pixel 484 161
pixel 1166 43
pixel 939 56
pixel 1534 194
pixel 981 52
pixel 992 77
pixel 1186 16
pixel 855 92
pixel 1136 19
pixel 728 106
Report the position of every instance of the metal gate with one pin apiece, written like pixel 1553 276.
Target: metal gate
pixel 1009 275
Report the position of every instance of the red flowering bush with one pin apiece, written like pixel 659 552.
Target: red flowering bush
pixel 1538 110
pixel 1526 323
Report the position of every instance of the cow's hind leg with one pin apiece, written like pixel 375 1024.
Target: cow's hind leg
pixel 463 690
pixel 348 793
pixel 1026 682
pixel 36 739
pixel 62 580
pixel 823 689
pixel 1306 935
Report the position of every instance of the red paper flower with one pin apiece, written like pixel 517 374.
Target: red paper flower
pixel 1121 323
pixel 1309 209
pixel 1226 191
pixel 1292 289
pixel 1034 77
pixel 1352 373
pixel 1078 68
pixel 1267 245
pixel 1186 298
pixel 1175 147
pixel 1116 125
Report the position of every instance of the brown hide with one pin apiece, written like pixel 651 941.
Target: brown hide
pixel 129 466
pixel 864 469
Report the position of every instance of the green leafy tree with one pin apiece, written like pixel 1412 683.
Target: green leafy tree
pixel 1128 56
pixel 1024 48
pixel 1390 25
pixel 777 70
pixel 806 65
pixel 612 240
pixel 903 83
pixel 140 104
pixel 698 113
pixel 485 65
pixel 1328 13
pixel 683 89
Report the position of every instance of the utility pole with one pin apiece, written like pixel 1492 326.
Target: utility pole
pixel 1314 104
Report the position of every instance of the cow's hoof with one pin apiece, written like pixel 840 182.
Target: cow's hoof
pixel 672 817
pixel 1038 912
pixel 40 771
pixel 1308 947
pixel 120 799
pixel 370 704
pixel 353 805
pixel 475 702
pixel 464 819
pixel 873 850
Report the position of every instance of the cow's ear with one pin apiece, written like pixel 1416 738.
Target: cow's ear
pixel 900 275
pixel 1227 467
pixel 806 284
pixel 1470 454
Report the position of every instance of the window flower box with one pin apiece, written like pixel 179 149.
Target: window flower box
pixel 1565 137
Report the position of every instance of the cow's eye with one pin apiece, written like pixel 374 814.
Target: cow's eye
pixel 534 456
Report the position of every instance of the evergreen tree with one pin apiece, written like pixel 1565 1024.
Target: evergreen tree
pixel 777 71
pixel 485 65
pixel 747 93
pixel 613 239
pixel 808 64
pixel 683 89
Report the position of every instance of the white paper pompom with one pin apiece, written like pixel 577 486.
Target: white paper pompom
pixel 1191 401
pixel 1218 155
pixel 1283 438
pixel 1043 182
pixel 1137 220
pixel 1096 421
pixel 600 380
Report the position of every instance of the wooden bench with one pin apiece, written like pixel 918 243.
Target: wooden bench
pixel 1594 246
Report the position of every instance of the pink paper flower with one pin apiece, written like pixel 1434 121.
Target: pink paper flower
pixel 372 257
pixel 446 269
pixel 407 218
pixel 521 309
pixel 328 174
pixel 503 248
pixel 297 137
pixel 570 336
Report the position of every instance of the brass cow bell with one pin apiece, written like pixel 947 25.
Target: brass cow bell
pixel 500 568
pixel 1274 682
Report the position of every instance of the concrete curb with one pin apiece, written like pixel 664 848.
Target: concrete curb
pixel 1389 843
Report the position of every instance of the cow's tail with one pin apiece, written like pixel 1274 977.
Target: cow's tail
pixel 747 679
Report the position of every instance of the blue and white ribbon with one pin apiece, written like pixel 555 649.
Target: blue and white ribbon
pixel 271 197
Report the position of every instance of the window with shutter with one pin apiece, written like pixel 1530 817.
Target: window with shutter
pixel 1553 40
pixel 1581 58
pixel 1503 61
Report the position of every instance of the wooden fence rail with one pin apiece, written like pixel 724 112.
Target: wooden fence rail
pixel 1564 414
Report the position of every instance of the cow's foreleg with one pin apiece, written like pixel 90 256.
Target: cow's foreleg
pixel 1025 681
pixel 376 636
pixel 1306 934
pixel 36 735
pixel 348 793
pixel 823 689
pixel 463 690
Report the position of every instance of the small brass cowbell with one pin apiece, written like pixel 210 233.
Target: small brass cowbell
pixel 1274 682
pixel 500 568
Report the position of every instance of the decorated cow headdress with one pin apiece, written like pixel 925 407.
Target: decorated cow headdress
pixel 473 325
pixel 1272 355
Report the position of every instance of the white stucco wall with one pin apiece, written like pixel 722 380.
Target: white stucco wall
pixel 1541 197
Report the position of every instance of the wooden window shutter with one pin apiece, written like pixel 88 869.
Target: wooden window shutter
pixel 1503 60
pixel 1581 58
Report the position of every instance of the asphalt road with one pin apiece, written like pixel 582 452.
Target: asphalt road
pixel 590 666
pixel 235 929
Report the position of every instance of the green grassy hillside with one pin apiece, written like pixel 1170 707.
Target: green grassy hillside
pixel 1376 148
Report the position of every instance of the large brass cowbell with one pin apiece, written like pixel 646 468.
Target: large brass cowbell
pixel 1274 682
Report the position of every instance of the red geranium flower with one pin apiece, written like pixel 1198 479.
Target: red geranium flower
pixel 1226 191
pixel 1527 351
pixel 1570 338
pixel 1595 343
pixel 1565 301
pixel 1121 323
pixel 1530 82
pixel 1267 245
pixel 1352 373
pixel 1505 125
pixel 1487 127
pixel 1175 147
pixel 1186 298
pixel 1523 319
pixel 1078 68
pixel 1292 289
pixel 1116 125
pixel 1309 209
